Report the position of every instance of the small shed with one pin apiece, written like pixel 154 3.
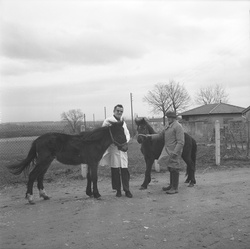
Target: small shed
pixel 199 122
pixel 212 112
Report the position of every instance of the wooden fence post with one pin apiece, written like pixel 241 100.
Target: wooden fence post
pixel 217 142
pixel 157 166
pixel 248 136
pixel 83 166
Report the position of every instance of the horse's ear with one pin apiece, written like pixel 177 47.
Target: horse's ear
pixel 138 120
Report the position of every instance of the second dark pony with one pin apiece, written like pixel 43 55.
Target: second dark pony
pixel 151 151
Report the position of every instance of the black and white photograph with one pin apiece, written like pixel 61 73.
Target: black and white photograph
pixel 124 124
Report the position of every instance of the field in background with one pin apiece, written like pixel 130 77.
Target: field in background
pixel 28 129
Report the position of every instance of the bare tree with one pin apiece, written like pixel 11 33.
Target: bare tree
pixel 178 95
pixel 74 119
pixel 165 97
pixel 211 95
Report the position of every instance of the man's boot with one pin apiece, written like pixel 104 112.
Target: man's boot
pixel 171 182
pixel 174 189
pixel 125 182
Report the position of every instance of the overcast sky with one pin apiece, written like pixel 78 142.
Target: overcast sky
pixel 88 55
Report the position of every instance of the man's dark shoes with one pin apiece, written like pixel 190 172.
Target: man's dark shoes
pixel 166 188
pixel 128 194
pixel 118 193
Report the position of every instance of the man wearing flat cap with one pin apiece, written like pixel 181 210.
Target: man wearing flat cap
pixel 173 135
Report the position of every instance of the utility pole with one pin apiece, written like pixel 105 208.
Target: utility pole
pixel 104 112
pixel 132 118
pixel 84 118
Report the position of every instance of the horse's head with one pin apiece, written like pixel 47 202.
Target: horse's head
pixel 142 129
pixel 118 136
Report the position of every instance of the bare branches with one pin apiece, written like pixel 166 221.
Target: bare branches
pixel 158 99
pixel 178 95
pixel 74 118
pixel 166 97
pixel 211 95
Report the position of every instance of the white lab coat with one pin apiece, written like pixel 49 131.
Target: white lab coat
pixel 113 157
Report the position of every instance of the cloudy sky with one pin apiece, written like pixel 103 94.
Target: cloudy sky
pixel 61 55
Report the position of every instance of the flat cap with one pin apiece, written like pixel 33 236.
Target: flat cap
pixel 171 115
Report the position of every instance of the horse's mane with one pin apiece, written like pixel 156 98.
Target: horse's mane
pixel 150 128
pixel 94 135
pixel 143 121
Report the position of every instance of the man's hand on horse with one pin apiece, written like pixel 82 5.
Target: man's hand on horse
pixel 173 156
pixel 145 136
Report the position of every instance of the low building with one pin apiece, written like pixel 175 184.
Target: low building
pixel 199 122
pixel 212 112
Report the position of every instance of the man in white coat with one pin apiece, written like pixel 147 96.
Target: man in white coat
pixel 117 159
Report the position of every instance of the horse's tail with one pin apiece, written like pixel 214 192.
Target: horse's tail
pixel 24 165
pixel 194 152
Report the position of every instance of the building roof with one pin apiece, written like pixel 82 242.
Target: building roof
pixel 246 110
pixel 210 109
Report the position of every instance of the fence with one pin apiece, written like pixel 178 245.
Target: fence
pixel 235 139
pixel 15 139
pixel 234 136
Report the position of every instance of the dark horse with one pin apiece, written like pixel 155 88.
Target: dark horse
pixel 87 148
pixel 152 151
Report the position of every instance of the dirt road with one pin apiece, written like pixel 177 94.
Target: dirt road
pixel 213 214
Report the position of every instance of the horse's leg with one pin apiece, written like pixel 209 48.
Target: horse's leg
pixel 187 174
pixel 88 188
pixel 94 179
pixel 190 170
pixel 40 178
pixel 192 178
pixel 193 156
pixel 147 178
pixel 32 177
pixel 42 192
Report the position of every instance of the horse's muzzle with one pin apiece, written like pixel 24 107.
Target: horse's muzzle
pixel 124 147
pixel 140 138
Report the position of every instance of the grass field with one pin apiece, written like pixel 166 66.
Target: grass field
pixel 12 150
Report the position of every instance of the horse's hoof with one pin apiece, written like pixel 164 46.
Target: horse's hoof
pixel 97 196
pixel 90 194
pixel 187 181
pixel 190 184
pixel 44 196
pixel 29 197
pixel 142 188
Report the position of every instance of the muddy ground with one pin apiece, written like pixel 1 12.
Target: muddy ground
pixel 213 214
